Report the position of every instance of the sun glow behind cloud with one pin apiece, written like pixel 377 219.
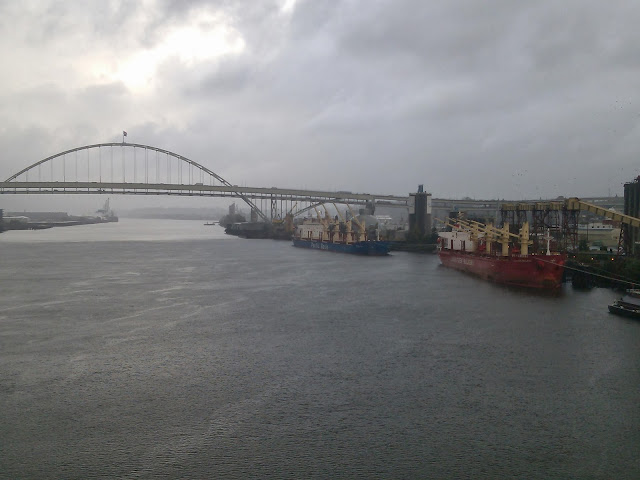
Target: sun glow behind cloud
pixel 288 6
pixel 206 37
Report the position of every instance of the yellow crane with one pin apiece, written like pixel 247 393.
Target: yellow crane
pixel 575 203
pixel 491 234
pixel 361 234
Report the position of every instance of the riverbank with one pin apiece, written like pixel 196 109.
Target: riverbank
pixel 44 220
pixel 602 269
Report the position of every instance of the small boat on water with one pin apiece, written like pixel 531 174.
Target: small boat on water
pixel 628 305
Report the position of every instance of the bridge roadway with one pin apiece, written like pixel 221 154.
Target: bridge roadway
pixel 312 196
pixel 273 193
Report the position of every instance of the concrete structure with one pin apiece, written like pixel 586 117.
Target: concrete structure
pixel 420 211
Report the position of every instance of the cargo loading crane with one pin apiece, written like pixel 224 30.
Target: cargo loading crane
pixel 626 221
pixel 561 217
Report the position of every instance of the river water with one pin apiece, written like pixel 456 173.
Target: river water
pixel 165 349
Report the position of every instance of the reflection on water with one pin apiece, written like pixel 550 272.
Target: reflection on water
pixel 127 229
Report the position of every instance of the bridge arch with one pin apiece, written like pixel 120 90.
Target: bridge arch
pixel 128 165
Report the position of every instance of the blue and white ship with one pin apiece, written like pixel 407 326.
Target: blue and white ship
pixel 346 236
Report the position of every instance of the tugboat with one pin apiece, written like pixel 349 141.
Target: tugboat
pixel 628 305
pixel 471 247
pixel 339 235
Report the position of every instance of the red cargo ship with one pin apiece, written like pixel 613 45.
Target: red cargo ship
pixel 469 248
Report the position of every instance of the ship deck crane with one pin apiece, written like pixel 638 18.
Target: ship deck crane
pixel 361 227
pixel 502 235
pixel 347 223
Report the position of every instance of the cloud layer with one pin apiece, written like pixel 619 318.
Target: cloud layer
pixel 495 99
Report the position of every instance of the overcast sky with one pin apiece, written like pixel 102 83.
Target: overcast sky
pixel 485 99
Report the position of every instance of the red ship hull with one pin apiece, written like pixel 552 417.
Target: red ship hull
pixel 531 271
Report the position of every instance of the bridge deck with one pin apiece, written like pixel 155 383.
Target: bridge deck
pixel 14 187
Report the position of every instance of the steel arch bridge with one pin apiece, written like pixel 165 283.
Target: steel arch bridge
pixel 136 169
